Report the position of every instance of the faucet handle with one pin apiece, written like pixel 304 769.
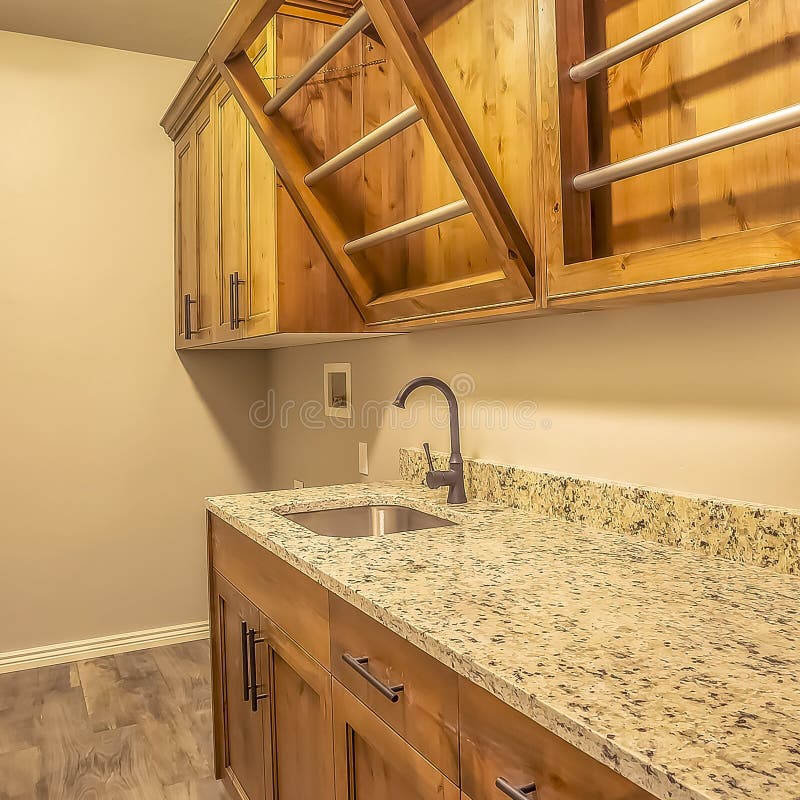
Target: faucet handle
pixel 427 448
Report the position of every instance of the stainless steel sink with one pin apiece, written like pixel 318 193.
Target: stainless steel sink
pixel 359 521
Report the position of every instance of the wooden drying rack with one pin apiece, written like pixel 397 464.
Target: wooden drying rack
pixel 511 282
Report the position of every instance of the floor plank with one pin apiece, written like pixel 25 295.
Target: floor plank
pixel 135 726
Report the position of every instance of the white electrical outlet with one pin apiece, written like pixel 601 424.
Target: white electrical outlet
pixel 299 484
pixel 363 461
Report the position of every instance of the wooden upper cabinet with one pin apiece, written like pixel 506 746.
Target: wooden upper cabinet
pixel 447 162
pixel 725 221
pixel 457 160
pixel 245 257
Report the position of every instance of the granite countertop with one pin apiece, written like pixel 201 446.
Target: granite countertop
pixel 679 671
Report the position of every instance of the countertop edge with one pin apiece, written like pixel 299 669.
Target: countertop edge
pixel 625 763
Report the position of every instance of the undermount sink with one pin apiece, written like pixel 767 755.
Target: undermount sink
pixel 357 521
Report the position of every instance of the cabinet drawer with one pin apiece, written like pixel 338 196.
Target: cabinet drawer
pixel 425 713
pixel 499 742
pixel 292 600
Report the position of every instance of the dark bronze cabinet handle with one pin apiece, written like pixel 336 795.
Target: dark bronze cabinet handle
pixel 233 301
pixel 359 665
pixel 521 793
pixel 245 663
pixel 254 695
pixel 187 317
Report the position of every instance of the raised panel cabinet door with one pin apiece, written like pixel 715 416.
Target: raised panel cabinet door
pixel 194 272
pixel 231 185
pixel 375 763
pixel 240 733
pixel 185 231
pixel 301 720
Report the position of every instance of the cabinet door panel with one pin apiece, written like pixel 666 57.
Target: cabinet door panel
pixel 375 763
pixel 232 184
pixel 239 731
pixel 301 720
pixel 185 229
pixel 207 223
pixel 194 268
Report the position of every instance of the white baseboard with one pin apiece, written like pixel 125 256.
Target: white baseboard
pixel 103 646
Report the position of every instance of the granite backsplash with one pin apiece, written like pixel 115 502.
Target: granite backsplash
pixel 743 532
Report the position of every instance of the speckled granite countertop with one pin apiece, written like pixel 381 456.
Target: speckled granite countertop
pixel 679 671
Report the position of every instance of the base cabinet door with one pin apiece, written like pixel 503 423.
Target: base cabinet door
pixel 301 720
pixel 375 763
pixel 240 722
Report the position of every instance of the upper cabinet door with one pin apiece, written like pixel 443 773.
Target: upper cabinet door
pixel 232 182
pixel 194 233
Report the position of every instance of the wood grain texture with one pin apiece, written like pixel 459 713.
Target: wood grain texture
pixel 301 719
pixel 289 598
pixel 427 713
pixel 372 761
pixel 724 222
pixel 499 742
pixel 416 279
pixel 130 727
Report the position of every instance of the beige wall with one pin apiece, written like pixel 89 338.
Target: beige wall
pixel 699 396
pixel 109 439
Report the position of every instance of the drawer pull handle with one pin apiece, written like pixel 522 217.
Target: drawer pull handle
pixel 245 660
pixel 254 639
pixel 521 793
pixel 359 665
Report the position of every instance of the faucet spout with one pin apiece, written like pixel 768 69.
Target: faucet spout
pixel 453 477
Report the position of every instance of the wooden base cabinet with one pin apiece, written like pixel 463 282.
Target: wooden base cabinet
pixel 313 700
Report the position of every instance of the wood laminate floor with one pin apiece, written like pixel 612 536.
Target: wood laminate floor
pixel 135 726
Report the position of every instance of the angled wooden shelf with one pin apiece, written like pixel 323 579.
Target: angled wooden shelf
pixel 510 279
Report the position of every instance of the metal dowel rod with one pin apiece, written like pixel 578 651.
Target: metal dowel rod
pixel 395 125
pixel 426 220
pixel 348 31
pixel 742 132
pixel 672 26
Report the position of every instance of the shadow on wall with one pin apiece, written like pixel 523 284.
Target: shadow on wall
pixel 228 383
